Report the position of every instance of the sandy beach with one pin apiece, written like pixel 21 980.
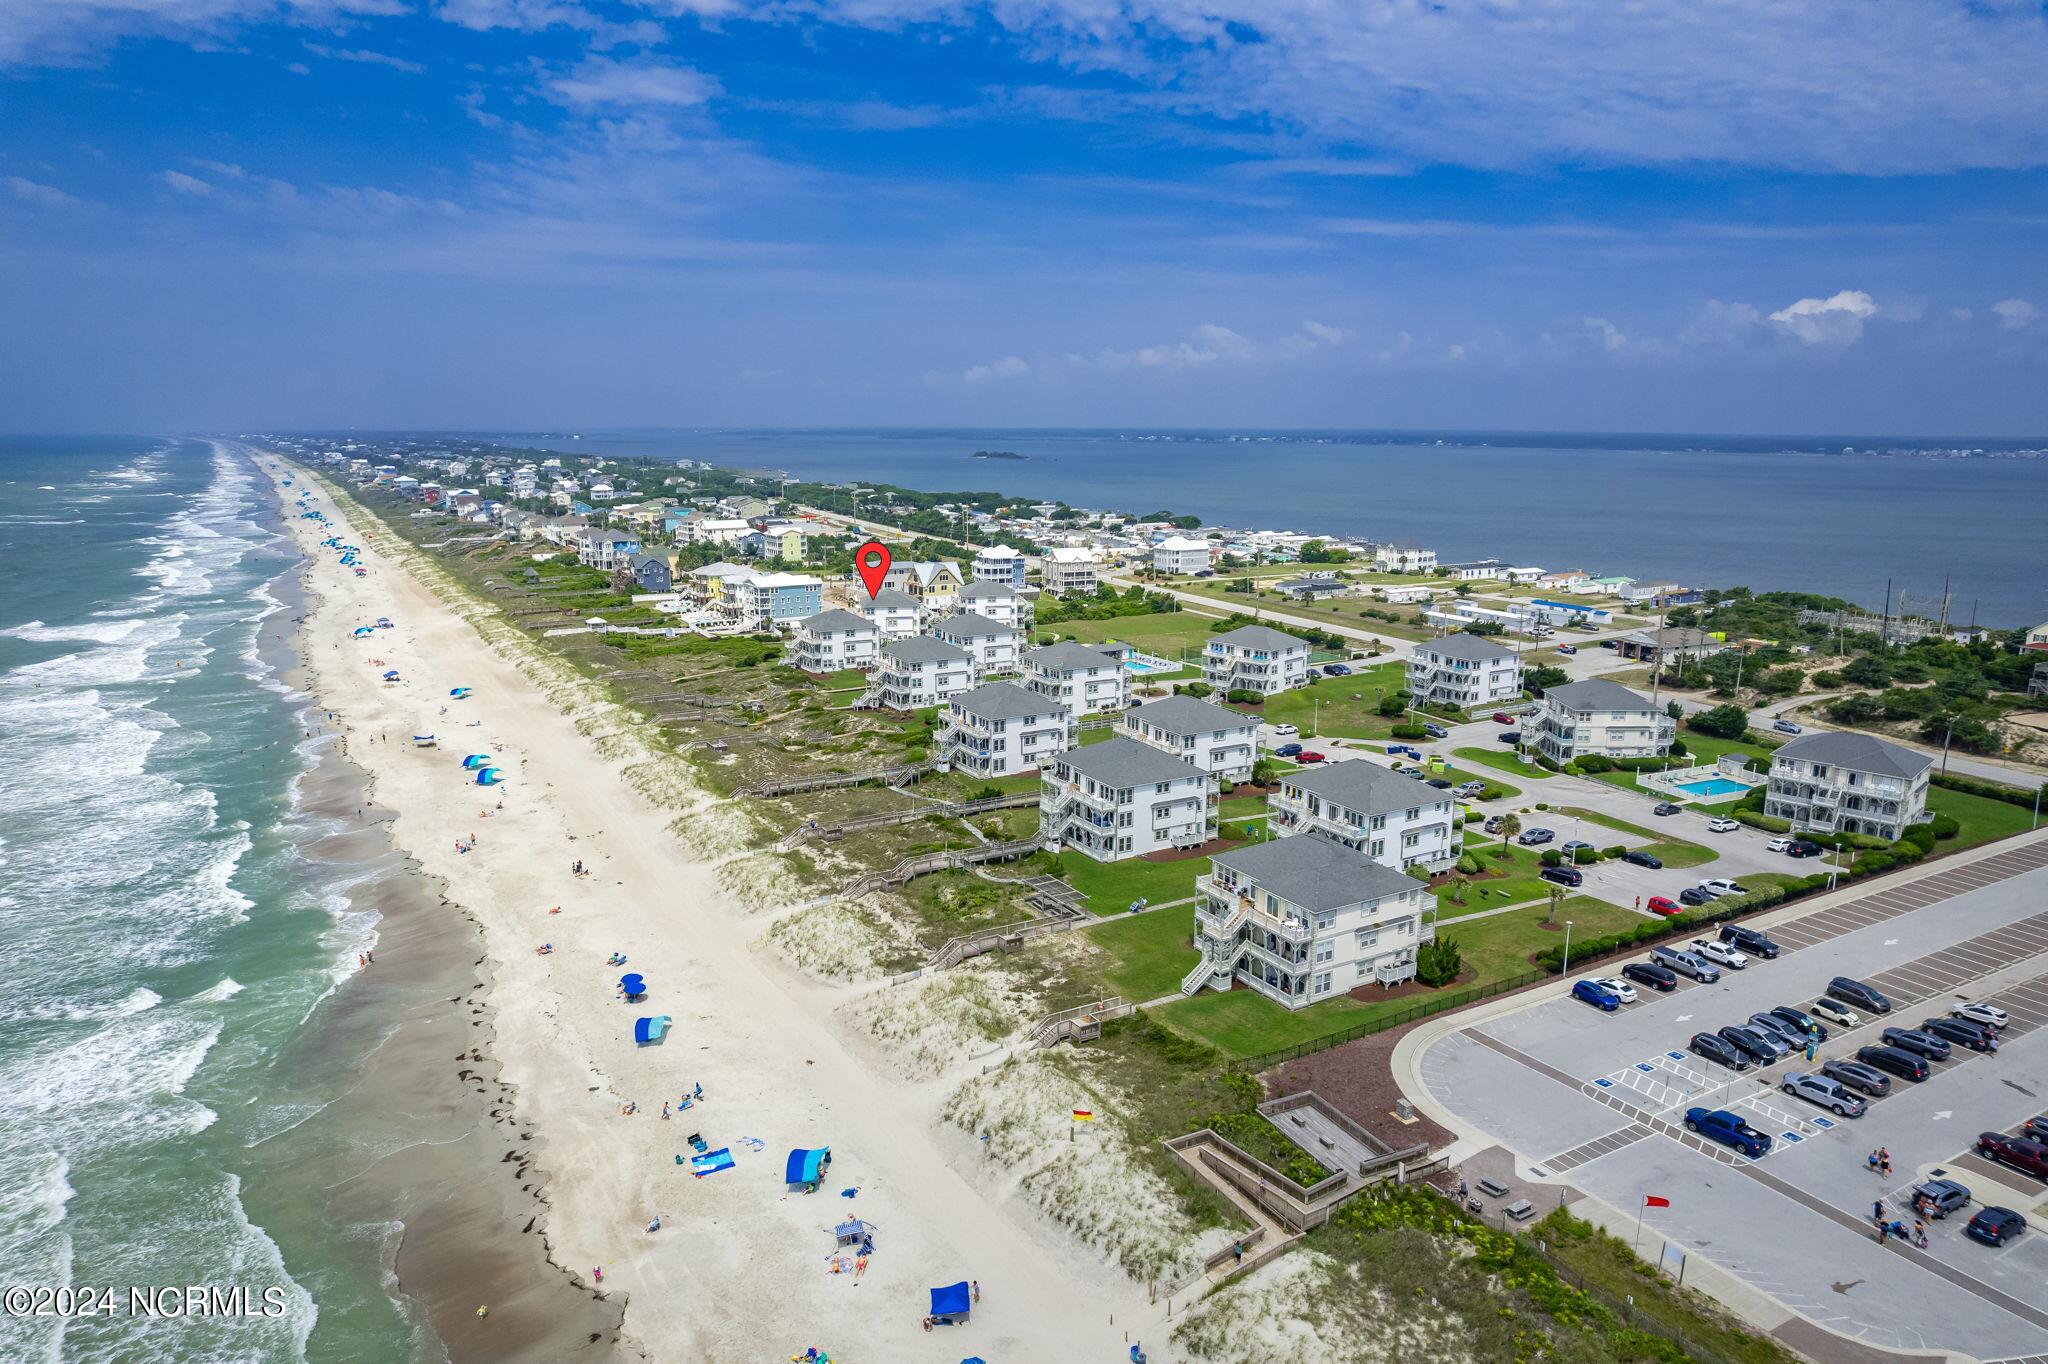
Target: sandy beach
pixel 740 1268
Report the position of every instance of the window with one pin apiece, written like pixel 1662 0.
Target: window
pixel 1326 919
pixel 1325 951
pixel 1322 982
pixel 1367 937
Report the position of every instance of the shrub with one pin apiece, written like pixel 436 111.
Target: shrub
pixel 1551 857
pixel 1769 823
pixel 1438 962
pixel 1542 805
pixel 1410 732
pixel 1583 856
pixel 1192 689
pixel 1393 704
pixel 1244 696
pixel 1594 762
pixel 1990 790
pixel 1469 865
pixel 1945 827
pixel 1492 792
pixel 1721 722
pixel 1615 851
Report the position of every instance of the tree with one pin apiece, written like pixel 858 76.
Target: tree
pixel 1556 899
pixel 1867 670
pixel 1721 722
pixel 1510 825
pixel 1543 677
pixel 1393 704
pixel 1438 962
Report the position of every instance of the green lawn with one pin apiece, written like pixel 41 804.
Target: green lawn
pixel 1521 882
pixel 1982 818
pixel 1501 759
pixel 1111 886
pixel 1168 634
pixel 1152 950
pixel 1341 707
pixel 1345 611
pixel 1242 807
pixel 1676 852
pixel 1501 946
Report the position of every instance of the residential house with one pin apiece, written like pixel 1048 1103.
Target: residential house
pixel 1312 586
pixel 1256 658
pixel 1181 555
pixel 1562 580
pixel 999 729
pixel 1070 572
pixel 1001 565
pixel 1001 604
pixel 1840 782
pixel 2037 638
pixel 773 599
pixel 1479 570
pixel 993 645
pixel 934 583
pixel 896 615
pixel 1597 717
pixel 1674 643
pixel 916 672
pixel 1464 670
pixel 1397 822
pixel 1302 920
pixel 1122 799
pixel 606 549
pixel 1411 594
pixel 833 640
pixel 1086 679
pixel 1399 559
pixel 785 542
pixel 652 572
pixel 1220 741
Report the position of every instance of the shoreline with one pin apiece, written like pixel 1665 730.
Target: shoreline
pixel 742 1267
pixel 396 1145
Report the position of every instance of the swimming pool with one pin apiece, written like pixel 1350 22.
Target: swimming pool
pixel 1711 786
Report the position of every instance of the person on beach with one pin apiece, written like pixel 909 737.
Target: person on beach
pixel 974 1290
pixel 664 1110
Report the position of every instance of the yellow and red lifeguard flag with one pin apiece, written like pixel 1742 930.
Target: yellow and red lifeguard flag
pixel 1084 1115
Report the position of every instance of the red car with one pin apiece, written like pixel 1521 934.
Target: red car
pixel 1661 904
pixel 1310 757
pixel 1501 717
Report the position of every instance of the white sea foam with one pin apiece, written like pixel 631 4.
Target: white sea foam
pixel 227 988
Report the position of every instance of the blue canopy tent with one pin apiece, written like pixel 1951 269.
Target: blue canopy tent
pixel 807 1167
pixel 362 630
pixel 951 1301
pixel 458 692
pixel 646 1030
pixel 489 776
pixel 633 984
pixel 475 760
pixel 391 676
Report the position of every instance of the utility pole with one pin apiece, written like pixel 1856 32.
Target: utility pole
pixel 1884 638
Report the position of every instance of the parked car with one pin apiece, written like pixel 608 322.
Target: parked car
pixel 1793 1039
pixel 1440 783
pixel 1751 940
pixel 1828 1094
pixel 1686 964
pixel 1760 1047
pixel 1287 751
pixel 1786 727
pixel 1493 823
pixel 1856 993
pixel 1620 989
pixel 1693 895
pixel 1652 975
pixel 1573 847
pixel 1960 1033
pixel 1661 904
pixel 1285 729
pixel 1309 756
pixel 1778 845
pixel 2036 1129
pixel 1856 1075
pixel 1721 885
pixel 1994 1226
pixel 1501 717
pixel 1529 838
pixel 1564 876
pixel 1804 847
pixel 1413 773
pixel 1909 1039
pixel 1567 649
pixel 1718 1049
pixel 1804 1023
pixel 1513 736
pixel 1836 1012
pixel 1665 807
pixel 1639 858
pixel 1719 953
pixel 1892 1060
pixel 1983 1015
pixel 2021 1154
pixel 1610 644
pixel 1592 992
pixel 1940 1197
pixel 1470 788
pixel 1435 730
pixel 1335 670
pixel 1721 824
pixel 1720 1125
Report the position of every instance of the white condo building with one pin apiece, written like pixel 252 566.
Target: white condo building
pixel 919 671
pixel 1596 717
pixel 1304 919
pixel 1396 559
pixel 993 645
pixel 1180 554
pixel 1002 604
pixel 1464 670
pixel 1256 658
pixel 1070 572
pixel 1849 783
pixel 1220 741
pixel 1086 679
pixel 999 564
pixel 897 615
pixel 999 729
pixel 1397 822
pixel 1123 799
pixel 832 640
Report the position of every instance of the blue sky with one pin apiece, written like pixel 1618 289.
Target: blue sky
pixel 1749 216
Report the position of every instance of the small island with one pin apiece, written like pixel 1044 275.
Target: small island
pixel 998 454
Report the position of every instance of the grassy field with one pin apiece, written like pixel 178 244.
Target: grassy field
pixel 1344 611
pixel 1338 707
pixel 1152 950
pixel 1111 886
pixel 1521 882
pixel 1982 818
pixel 1501 759
pixel 1676 852
pixel 1169 634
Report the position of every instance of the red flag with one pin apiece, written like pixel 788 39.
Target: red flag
pixel 1652 1201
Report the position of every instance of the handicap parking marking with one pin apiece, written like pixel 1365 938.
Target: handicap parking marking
pixel 1792 1137
pixel 1823 1122
pixel 1646 1068
pixel 1676 1055
pixel 1604 1083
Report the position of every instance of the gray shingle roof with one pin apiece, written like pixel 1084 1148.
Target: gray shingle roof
pixel 983 591
pixel 924 649
pixel 1006 701
pixel 1597 693
pixel 1190 715
pixel 890 598
pixel 1054 657
pixel 1365 787
pixel 967 623
pixel 1862 752
pixel 1126 762
pixel 836 619
pixel 1261 637
pixel 1314 872
pixel 1471 648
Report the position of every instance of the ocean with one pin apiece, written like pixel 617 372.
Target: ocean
pixel 1767 513
pixel 169 937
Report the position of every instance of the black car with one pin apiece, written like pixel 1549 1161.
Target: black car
pixel 1750 940
pixel 1718 1049
pixel 1802 1021
pixel 1564 876
pixel 1804 848
pixel 2036 1128
pixel 1657 978
pixel 1923 1044
pixel 1856 1075
pixel 1440 784
pixel 1667 808
pixel 1904 1064
pixel 1856 993
pixel 1508 738
pixel 1995 1226
pixel 1693 895
pixel 1959 1032
pixel 1751 1044
pixel 1643 859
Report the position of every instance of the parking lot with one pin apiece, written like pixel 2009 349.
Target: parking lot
pixel 1598 1100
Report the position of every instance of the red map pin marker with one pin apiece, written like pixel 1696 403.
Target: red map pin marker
pixel 871 561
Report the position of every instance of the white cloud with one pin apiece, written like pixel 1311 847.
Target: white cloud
pixel 1833 321
pixel 42 196
pixel 1328 336
pixel 602 81
pixel 1609 337
pixel 1009 367
pixel 186 184
pixel 1208 346
pixel 2015 314
pixel 298 68
pixel 364 55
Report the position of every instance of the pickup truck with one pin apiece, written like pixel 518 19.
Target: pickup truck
pixel 1718 1124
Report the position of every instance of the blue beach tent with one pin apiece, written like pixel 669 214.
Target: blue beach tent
pixel 476 760
pixel 646 1030
pixel 806 1166
pixel 458 692
pixel 391 676
pixel 362 630
pixel 951 1301
pixel 489 776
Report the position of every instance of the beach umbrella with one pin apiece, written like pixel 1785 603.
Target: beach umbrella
pixel 391 675
pixel 362 630
pixel 458 692
pixel 476 760
pixel 633 983
pixel 806 1165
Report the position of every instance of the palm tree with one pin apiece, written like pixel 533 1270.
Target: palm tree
pixel 1510 825
pixel 1556 899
